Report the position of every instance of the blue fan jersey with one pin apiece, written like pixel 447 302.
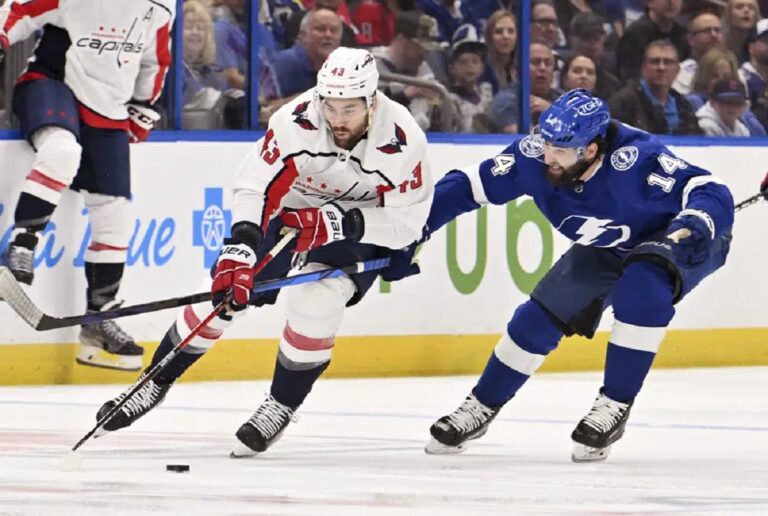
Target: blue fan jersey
pixel 639 187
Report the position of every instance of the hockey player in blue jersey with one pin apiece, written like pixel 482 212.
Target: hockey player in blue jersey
pixel 646 227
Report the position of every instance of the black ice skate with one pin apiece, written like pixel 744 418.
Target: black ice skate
pixel 106 344
pixel 598 430
pixel 19 257
pixel 470 421
pixel 265 426
pixel 145 399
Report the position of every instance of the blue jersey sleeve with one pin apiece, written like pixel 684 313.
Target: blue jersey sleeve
pixel 463 190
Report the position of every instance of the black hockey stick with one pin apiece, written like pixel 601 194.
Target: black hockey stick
pixel 13 294
pixel 71 461
pixel 749 202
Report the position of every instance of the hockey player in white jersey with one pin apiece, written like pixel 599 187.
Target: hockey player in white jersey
pixel 340 152
pixel 86 93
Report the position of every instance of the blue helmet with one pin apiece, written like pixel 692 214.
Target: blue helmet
pixel 574 119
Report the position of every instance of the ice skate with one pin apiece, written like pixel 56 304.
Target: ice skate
pixel 470 421
pixel 106 344
pixel 19 257
pixel 265 426
pixel 145 399
pixel 598 430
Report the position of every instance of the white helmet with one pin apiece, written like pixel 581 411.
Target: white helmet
pixel 348 73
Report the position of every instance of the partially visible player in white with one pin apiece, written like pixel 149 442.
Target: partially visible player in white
pixel 86 93
pixel 346 167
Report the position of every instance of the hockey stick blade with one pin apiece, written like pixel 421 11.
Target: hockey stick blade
pixel 14 295
pixel 37 319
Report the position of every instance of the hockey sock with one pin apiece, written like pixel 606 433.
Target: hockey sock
pixel 291 387
pixel 625 371
pixel 103 282
pixel 32 213
pixel 498 383
pixel 180 362
pixel 643 307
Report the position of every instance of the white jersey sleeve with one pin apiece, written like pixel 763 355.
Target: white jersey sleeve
pixel 155 61
pixel 20 19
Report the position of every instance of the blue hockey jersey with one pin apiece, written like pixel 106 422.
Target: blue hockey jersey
pixel 639 187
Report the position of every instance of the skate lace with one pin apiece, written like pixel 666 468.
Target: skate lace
pixel 605 414
pixel 470 415
pixel 115 332
pixel 270 416
pixel 20 259
pixel 142 400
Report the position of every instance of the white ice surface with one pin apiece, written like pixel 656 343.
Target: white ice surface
pixel 696 443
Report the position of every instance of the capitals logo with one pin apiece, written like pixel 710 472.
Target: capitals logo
pixel 300 117
pixel 593 231
pixel 396 144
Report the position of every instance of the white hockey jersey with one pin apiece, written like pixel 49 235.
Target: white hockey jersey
pixel 107 51
pixel 297 165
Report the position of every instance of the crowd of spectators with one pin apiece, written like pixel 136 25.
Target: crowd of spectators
pixel 683 67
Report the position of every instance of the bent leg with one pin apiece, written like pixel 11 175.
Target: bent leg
pixel 315 311
pixel 531 335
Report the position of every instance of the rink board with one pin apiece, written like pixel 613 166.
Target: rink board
pixel 444 321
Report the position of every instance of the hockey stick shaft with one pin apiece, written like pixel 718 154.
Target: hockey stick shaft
pixel 749 202
pixel 40 321
pixel 151 374
pixel 157 368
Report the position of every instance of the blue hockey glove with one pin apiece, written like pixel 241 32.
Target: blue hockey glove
pixel 691 239
pixel 401 264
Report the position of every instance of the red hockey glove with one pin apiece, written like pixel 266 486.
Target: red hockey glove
pixel 141 120
pixel 317 226
pixel 764 187
pixel 234 273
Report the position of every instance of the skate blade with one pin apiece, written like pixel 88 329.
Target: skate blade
pixel 584 453
pixel 96 356
pixel 241 451
pixel 435 447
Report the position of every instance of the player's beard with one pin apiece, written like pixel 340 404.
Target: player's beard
pixel 567 175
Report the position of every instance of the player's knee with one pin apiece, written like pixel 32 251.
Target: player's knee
pixel 530 336
pixel 533 329
pixel 643 295
pixel 111 225
pixel 188 320
pixel 58 153
pixel 316 309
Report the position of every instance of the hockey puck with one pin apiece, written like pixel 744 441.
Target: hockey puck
pixel 177 468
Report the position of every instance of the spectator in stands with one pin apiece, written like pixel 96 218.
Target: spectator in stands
pixel 704 32
pixel 501 37
pixel 579 71
pixel 295 69
pixel 612 11
pixel 542 71
pixel 650 103
pixel 587 37
pixel 199 52
pixel 468 92
pixel 657 23
pixel 716 64
pixel 415 34
pixel 232 43
pixel 544 24
pixel 754 72
pixel 292 24
pixel 375 22
pixel 739 20
pixel 720 115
